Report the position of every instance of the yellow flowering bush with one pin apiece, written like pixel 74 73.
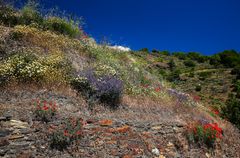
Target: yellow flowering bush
pixel 27 67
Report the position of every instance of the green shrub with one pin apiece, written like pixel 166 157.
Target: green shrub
pixel 144 50
pixel 180 55
pixel 172 65
pixel 167 53
pixel 229 58
pixel 29 15
pixel 231 110
pixel 189 63
pixel 62 26
pixel 174 76
pixel 8 16
pixel 17 36
pixel 215 60
pixel 198 88
pixel 191 74
pixel 204 75
pixel 235 70
pixel 236 88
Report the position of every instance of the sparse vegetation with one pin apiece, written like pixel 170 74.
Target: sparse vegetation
pixel 52 55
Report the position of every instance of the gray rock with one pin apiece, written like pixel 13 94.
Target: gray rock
pixel 4 133
pixel 4 142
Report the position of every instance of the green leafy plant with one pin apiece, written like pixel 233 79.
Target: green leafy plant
pixel 67 133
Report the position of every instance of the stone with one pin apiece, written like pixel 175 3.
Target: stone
pixel 127 156
pixel 3 119
pixel 122 129
pixel 207 155
pixel 111 142
pixel 8 117
pixel 155 151
pixel 170 145
pixel 161 156
pixel 91 121
pixel 105 122
pixel 3 151
pixel 4 133
pixel 4 142
pixel 25 155
pixel 13 137
pixel 18 124
pixel 156 127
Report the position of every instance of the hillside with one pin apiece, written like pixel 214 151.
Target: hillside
pixel 64 95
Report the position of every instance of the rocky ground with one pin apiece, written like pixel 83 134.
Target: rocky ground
pixel 106 133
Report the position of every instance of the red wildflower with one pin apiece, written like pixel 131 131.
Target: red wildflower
pixel 45 108
pixel 50 104
pixel 66 133
pixel 195 130
pixel 54 105
pixel 196 98
pixel 78 132
pixel 158 89
pixel 216 112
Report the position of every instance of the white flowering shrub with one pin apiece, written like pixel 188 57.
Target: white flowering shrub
pixel 101 70
pixel 27 67
pixel 33 71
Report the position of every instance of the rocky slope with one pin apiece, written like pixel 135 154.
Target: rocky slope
pixel 126 132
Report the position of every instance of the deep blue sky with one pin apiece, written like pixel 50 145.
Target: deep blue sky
pixel 206 26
